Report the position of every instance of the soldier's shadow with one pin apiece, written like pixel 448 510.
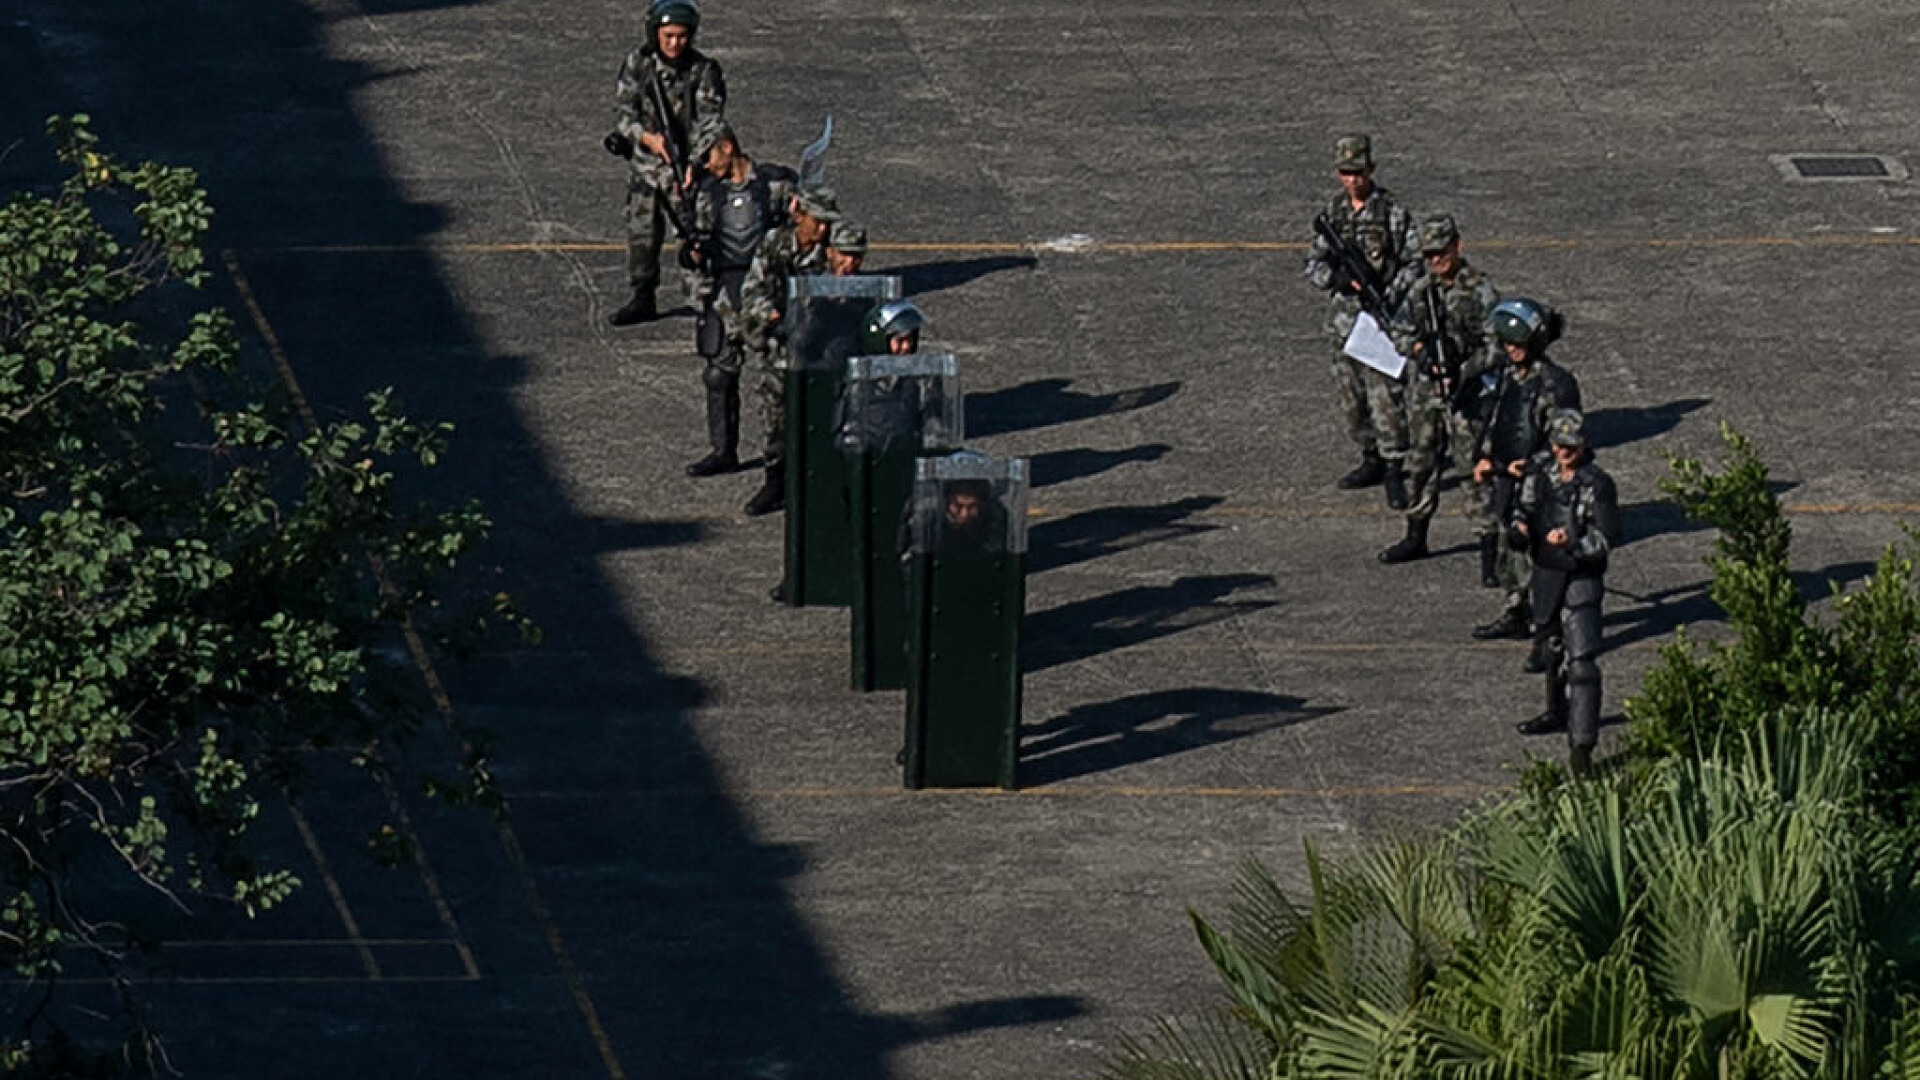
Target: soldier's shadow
pixel 1159 723
pixel 1092 534
pixel 1060 466
pixel 1661 613
pixel 923 278
pixel 1620 426
pixel 1087 628
pixel 1045 402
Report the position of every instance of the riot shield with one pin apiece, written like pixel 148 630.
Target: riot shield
pixel 825 323
pixel 893 410
pixel 966 596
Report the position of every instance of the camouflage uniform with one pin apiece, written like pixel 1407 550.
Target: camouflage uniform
pixel 1434 423
pixel 730 219
pixel 1525 397
pixel 763 303
pixel 695 92
pixel 1568 580
pixel 1370 402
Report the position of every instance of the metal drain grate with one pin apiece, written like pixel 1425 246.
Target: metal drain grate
pixel 1801 168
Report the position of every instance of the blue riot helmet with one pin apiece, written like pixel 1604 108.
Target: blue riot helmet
pixel 891 320
pixel 1525 321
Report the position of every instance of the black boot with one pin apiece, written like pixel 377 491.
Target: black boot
pixel 1540 656
pixel 1396 482
pixel 723 423
pixel 1409 547
pixel 1371 471
pixel 638 309
pixel 1544 724
pixel 1512 623
pixel 1490 561
pixel 1580 762
pixel 773 491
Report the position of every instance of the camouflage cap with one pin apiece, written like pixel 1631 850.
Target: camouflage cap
pixel 848 238
pixel 1437 232
pixel 1353 154
pixel 1567 427
pixel 818 201
pixel 710 131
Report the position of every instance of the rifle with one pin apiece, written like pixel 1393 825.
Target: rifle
pixel 675 202
pixel 1348 261
pixel 1442 360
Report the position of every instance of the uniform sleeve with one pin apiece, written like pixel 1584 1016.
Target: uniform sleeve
pixel 1567 395
pixel 1406 237
pixel 629 96
pixel 1603 530
pixel 1528 500
pixel 1319 263
pixel 759 303
pixel 709 96
pixel 1404 328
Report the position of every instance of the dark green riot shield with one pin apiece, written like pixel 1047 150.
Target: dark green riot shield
pixel 894 410
pixel 825 325
pixel 966 595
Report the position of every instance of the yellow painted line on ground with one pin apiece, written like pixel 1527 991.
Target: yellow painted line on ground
pixel 1076 791
pixel 335 893
pixel 428 879
pixel 1127 247
pixel 509 840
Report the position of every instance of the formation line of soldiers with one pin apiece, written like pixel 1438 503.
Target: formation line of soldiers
pixel 1430 365
pixel 745 228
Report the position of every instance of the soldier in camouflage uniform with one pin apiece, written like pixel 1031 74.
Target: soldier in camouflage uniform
pixel 846 248
pixel 1529 389
pixel 694 91
pixel 795 249
pixel 737 205
pixel 1567 516
pixel 1366 217
pixel 1462 297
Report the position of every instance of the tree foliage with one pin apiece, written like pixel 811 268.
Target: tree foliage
pixel 1734 916
pixel 1781 656
pixel 198 589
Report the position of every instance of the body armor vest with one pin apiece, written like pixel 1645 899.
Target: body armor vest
pixel 744 214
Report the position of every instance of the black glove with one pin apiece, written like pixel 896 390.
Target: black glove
pixel 1517 538
pixel 618 145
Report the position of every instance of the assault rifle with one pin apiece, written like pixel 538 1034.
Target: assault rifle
pixel 676 140
pixel 1438 355
pixel 1354 267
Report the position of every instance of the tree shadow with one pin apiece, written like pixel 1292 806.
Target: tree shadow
pixel 1620 426
pixel 923 278
pixel 1045 402
pixel 1092 534
pixel 1159 723
pixel 1060 466
pixel 1102 624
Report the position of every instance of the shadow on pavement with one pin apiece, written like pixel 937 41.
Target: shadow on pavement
pixel 1141 727
pixel 1046 402
pixel 1060 466
pixel 1118 620
pixel 1091 534
pixel 687 945
pixel 1659 614
pixel 1621 426
pixel 922 278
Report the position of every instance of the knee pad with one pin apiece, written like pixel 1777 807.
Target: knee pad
pixel 1582 671
pixel 719 379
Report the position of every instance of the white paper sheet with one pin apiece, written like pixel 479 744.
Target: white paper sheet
pixel 1371 346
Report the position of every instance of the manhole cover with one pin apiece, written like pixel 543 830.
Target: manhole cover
pixel 1818 167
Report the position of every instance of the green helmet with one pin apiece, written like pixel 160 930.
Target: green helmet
pixel 1567 427
pixel 892 319
pixel 1525 321
pixel 671 13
